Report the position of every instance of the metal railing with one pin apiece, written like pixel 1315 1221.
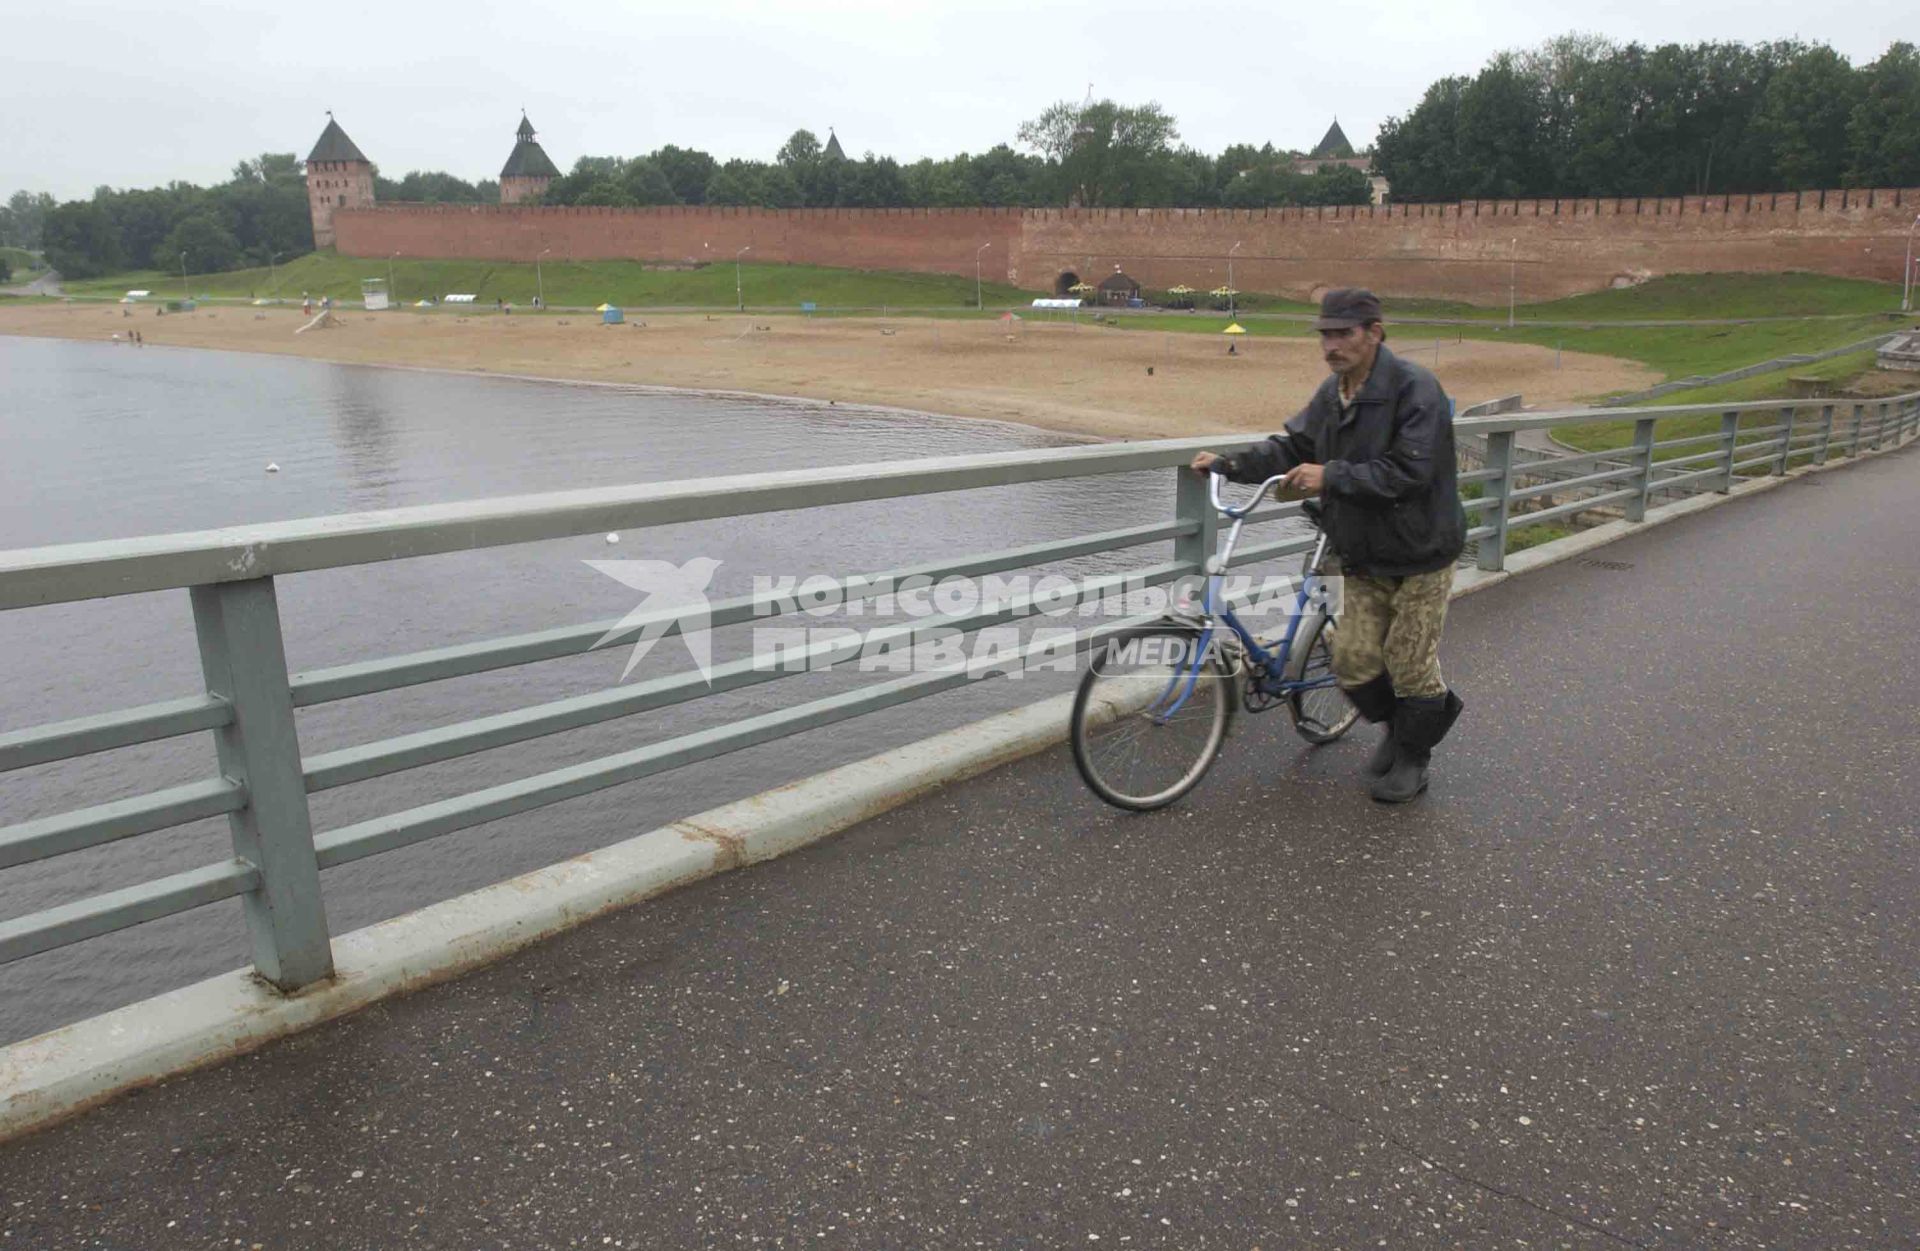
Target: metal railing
pixel 250 697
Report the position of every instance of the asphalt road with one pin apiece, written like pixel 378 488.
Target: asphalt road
pixel 1639 971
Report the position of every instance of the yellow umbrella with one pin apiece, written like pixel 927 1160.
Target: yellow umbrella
pixel 1182 289
pixel 601 308
pixel 1223 291
pixel 1235 328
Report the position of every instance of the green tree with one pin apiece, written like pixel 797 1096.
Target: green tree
pixel 605 193
pixel 1883 131
pixel 1497 133
pixel 1003 177
pixel 1419 154
pixel 26 214
pixel 800 150
pixel 1104 153
pixel 269 167
pixel 80 241
pixel 1803 119
pixel 687 171
pixel 208 245
pixel 433 187
pixel 1336 184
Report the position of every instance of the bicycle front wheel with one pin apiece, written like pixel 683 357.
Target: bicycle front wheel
pixel 1322 712
pixel 1146 724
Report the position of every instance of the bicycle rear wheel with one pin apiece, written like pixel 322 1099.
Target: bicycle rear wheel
pixel 1146 727
pixel 1322 713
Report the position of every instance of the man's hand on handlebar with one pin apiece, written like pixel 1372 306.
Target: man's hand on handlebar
pixel 1305 479
pixel 1205 463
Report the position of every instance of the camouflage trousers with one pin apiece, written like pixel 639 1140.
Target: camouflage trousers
pixel 1391 626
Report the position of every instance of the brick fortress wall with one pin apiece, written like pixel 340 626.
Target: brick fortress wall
pixel 1453 251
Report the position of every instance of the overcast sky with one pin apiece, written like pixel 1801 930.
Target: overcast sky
pixel 133 93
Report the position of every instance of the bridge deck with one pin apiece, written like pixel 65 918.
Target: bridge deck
pixel 1640 971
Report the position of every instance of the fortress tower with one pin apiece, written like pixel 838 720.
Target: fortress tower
pixel 338 176
pixel 527 171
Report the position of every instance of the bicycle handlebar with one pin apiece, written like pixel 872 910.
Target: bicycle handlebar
pixel 1214 480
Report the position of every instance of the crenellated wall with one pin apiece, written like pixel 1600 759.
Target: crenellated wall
pixel 1467 251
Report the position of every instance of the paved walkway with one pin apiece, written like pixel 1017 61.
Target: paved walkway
pixel 1641 971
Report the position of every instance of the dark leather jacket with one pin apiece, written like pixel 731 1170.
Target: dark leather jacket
pixel 1391 500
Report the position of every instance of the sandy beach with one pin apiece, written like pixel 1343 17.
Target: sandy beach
pixel 1091 380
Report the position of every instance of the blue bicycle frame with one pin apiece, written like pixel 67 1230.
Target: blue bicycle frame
pixel 1270 666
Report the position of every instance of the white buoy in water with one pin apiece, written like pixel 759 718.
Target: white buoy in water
pixel 272 468
pixel 613 538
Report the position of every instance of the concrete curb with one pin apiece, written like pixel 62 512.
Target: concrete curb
pixel 65 1072
pixel 59 1074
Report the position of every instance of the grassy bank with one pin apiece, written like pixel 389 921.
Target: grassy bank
pixel 1676 351
pixel 25 265
pixel 1835 373
pixel 626 283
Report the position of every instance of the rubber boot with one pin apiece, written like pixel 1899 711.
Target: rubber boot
pixel 1419 724
pixel 1376 701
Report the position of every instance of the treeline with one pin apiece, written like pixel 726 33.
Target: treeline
pixel 261 213
pixel 1584 116
pixel 22 218
pixel 434 187
pixel 1099 155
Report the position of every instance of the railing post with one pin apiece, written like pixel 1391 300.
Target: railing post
pixel 1730 437
pixel 1493 549
pixel 245 663
pixel 1786 441
pixel 1879 424
pixel 1859 419
pixel 1643 462
pixel 1191 502
pixel 1826 435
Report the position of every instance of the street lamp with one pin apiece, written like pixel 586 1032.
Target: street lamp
pixel 185 294
pixel 1906 276
pixel 1513 264
pixel 976 274
pixel 738 298
pixel 1231 293
pixel 539 282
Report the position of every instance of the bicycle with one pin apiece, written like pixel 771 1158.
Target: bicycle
pixel 1153 709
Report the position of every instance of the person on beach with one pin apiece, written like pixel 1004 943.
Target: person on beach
pixel 1374 447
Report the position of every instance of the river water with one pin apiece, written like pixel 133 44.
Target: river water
pixel 102 441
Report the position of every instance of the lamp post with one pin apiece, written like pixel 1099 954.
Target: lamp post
pixel 976 274
pixel 1906 275
pixel 1513 265
pixel 1231 293
pixel 739 298
pixel 185 294
pixel 539 282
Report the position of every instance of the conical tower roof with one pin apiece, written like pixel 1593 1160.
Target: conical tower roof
pixel 335 146
pixel 833 152
pixel 1335 145
pixel 528 159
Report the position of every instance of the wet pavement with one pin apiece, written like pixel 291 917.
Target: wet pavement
pixel 1639 971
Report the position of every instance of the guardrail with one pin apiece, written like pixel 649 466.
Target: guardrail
pixel 250 698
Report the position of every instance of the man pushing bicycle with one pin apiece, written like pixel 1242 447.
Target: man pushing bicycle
pixel 1375 446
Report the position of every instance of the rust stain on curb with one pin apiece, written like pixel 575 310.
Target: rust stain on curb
pixel 730 850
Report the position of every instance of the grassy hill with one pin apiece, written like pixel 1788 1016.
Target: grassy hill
pixel 26 266
pixel 587 283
